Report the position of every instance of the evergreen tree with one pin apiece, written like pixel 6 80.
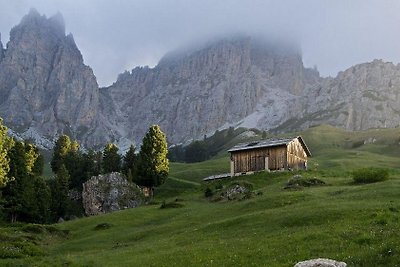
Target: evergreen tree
pixel 92 163
pixel 230 133
pixel 177 154
pixel 42 200
pixel 196 151
pixel 61 149
pixel 13 193
pixel 152 166
pixel 31 155
pixel 37 169
pixel 60 198
pixel 74 146
pixel 74 163
pixel 98 162
pixel 264 135
pixel 25 197
pixel 111 159
pixel 5 145
pixel 129 161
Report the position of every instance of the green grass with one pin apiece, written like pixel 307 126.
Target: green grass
pixel 357 224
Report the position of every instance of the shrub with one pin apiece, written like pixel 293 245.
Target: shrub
pixel 103 226
pixel 208 192
pixel 19 250
pixel 33 228
pixel 219 186
pixel 170 205
pixel 370 175
pixel 298 182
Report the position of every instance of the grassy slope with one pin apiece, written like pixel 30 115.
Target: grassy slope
pixel 355 223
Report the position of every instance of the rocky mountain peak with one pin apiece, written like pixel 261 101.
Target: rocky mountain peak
pixel 34 23
pixel 45 88
pixel 194 91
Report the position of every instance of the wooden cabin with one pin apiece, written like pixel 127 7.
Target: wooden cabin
pixel 270 154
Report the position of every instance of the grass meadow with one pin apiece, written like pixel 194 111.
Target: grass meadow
pixel 358 224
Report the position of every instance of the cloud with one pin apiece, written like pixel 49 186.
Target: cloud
pixel 117 35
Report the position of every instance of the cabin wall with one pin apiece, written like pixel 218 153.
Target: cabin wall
pixel 296 156
pixel 254 159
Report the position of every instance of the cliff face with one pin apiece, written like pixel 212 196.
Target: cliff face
pixel 45 87
pixel 362 97
pixel 45 90
pixel 194 94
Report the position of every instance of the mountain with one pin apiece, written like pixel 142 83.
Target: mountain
pixel 195 93
pixel 46 89
pixel 362 97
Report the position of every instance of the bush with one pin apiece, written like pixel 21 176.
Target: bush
pixel 219 186
pixel 208 192
pixel 298 182
pixel 370 175
pixel 103 226
pixel 33 228
pixel 170 205
pixel 19 250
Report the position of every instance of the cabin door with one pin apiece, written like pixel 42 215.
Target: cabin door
pixel 258 163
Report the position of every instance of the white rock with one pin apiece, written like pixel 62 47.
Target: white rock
pixel 321 263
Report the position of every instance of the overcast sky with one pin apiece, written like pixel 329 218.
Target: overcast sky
pixel 117 35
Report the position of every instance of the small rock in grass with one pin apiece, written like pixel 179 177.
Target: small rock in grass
pixel 321 263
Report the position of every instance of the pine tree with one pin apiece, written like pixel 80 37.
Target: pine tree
pixel 5 145
pixel 42 200
pixel 15 192
pixel 61 149
pixel 73 163
pixel 196 151
pixel 37 169
pixel 31 155
pixel 111 159
pixel 92 163
pixel 60 198
pixel 74 146
pixel 152 164
pixel 25 198
pixel 129 161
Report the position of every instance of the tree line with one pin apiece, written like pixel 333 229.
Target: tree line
pixel 25 195
pixel 201 150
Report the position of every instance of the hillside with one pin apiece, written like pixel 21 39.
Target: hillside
pixel 354 223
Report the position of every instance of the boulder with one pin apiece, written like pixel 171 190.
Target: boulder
pixel 321 263
pixel 110 192
pixel 234 191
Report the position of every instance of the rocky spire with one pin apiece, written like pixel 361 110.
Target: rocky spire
pixel 45 85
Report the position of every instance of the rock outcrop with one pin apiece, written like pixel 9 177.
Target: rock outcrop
pixel 321 263
pixel 110 192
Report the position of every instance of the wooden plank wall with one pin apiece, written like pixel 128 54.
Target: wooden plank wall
pixel 296 156
pixel 254 159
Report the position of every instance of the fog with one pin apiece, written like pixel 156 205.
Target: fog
pixel 118 35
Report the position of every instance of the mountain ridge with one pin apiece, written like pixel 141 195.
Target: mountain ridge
pixel 46 89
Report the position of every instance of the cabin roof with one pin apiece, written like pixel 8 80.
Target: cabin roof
pixel 269 143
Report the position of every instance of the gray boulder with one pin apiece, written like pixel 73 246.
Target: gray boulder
pixel 110 192
pixel 321 263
